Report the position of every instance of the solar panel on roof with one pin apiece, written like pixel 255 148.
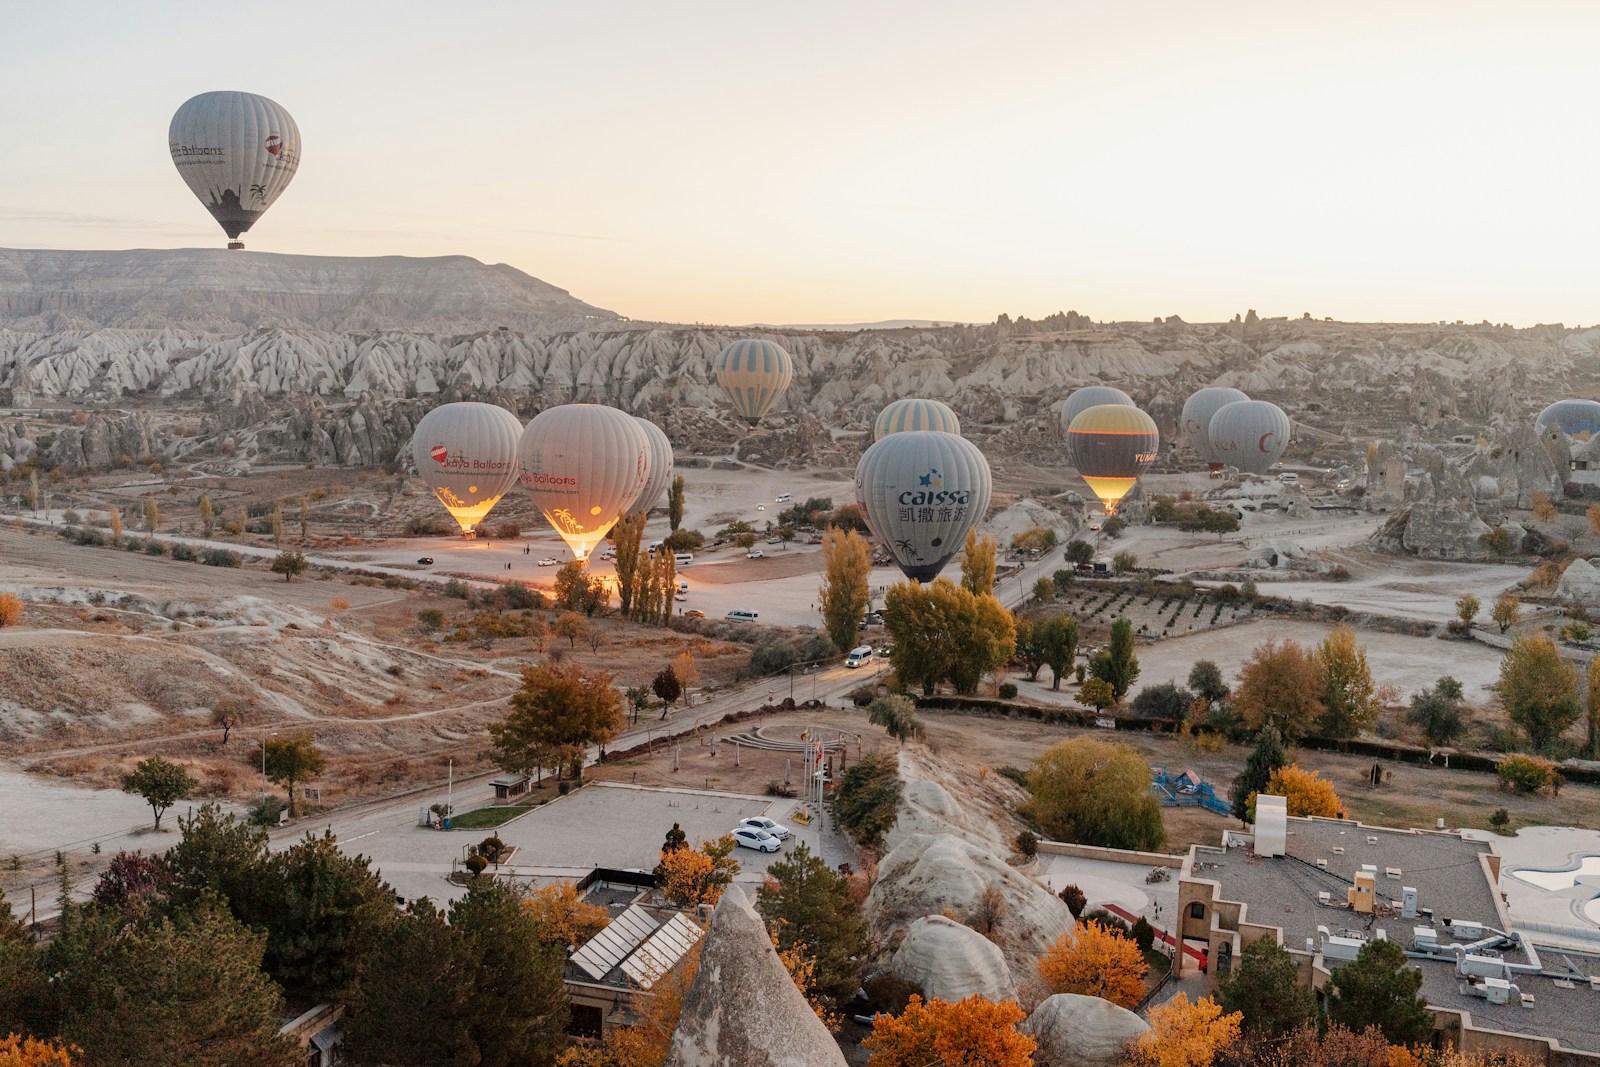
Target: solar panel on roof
pixel 662 951
pixel 613 944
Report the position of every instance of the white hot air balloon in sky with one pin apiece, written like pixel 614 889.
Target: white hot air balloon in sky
pixel 467 454
pixel 1091 396
pixel 1249 434
pixel 237 152
pixel 584 466
pixel 1196 418
pixel 660 469
pixel 923 491
pixel 915 414
pixel 755 374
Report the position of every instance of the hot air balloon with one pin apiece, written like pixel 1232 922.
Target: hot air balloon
pixel 755 374
pixel 1197 412
pixel 237 152
pixel 467 453
pixel 1573 417
pixel 1089 396
pixel 660 469
pixel 922 491
pixel 583 465
pixel 1111 445
pixel 1249 434
pixel 909 414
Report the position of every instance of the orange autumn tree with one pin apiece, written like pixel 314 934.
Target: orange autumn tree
pixel 695 877
pixel 1096 961
pixel 976 1032
pixel 1304 792
pixel 802 967
pixel 19 1051
pixel 1186 1035
pixel 563 918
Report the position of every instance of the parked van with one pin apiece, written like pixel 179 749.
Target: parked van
pixel 784 498
pixel 859 656
pixel 740 615
pixel 683 559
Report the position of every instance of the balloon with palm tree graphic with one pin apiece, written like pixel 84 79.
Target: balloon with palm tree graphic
pixel 923 490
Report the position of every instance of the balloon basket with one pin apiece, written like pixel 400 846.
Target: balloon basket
pixel 235 246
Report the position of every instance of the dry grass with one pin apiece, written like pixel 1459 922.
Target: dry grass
pixel 10 609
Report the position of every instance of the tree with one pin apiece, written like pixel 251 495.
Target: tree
pixel 1379 988
pixel 1044 589
pixel 975 1032
pixel 1205 678
pixel 1265 989
pixel 1279 686
pixel 866 799
pixel 626 538
pixel 808 904
pixel 424 964
pixel 1074 899
pixel 675 839
pixel 1304 793
pixel 1437 711
pixel 277 524
pixel 1593 717
pixel 1499 541
pixel 1544 509
pixel 322 909
pixel 289 564
pixel 695 877
pixel 1096 793
pixel 1057 643
pixel 1182 1034
pixel 1117 665
pixel 131 883
pixel 977 564
pixel 19 1051
pixel 115 516
pixel 1095 961
pixel 187 989
pixel 1164 701
pixel 1124 562
pixel 1313 1046
pixel 1264 761
pixel 687 670
pixel 305 521
pixel 667 687
pixel 161 783
pixel 1080 553
pixel 571 626
pixel 574 590
pixel 562 916
pixel 208 515
pixel 1349 698
pixel 291 760
pixel 943 632
pixel 227 713
pixel 898 716
pixel 675 499
pixel 556 715
pixel 1096 693
pixel 152 514
pixel 1467 608
pixel 518 1006
pixel 1034 539
pixel 1539 688
pixel 10 609
pixel 1507 606
pixel 1113 527
pixel 219 855
pixel 846 566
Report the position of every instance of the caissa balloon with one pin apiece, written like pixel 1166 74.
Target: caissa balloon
pixel 467 454
pixel 755 374
pixel 583 465
pixel 923 490
pixel 1090 396
pixel 237 152
pixel 1249 434
pixel 660 469
pixel 914 414
pixel 1196 419
pixel 1111 445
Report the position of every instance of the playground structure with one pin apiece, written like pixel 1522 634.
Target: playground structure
pixel 1186 788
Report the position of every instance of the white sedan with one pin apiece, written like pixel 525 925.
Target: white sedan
pixel 548 562
pixel 766 825
pixel 760 840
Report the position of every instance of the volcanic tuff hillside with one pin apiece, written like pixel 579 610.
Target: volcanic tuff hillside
pixel 216 291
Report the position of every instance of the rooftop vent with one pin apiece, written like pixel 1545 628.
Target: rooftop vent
pixel 1338 850
pixel 1372 839
pixel 1322 865
pixel 1272 824
pixel 1392 872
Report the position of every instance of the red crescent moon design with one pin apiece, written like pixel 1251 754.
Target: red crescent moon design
pixel 1266 449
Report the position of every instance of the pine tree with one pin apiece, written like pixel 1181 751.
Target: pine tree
pixel 1264 760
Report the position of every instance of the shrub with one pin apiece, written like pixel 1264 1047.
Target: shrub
pixel 476 863
pixel 1027 844
pixel 1500 820
pixel 221 557
pixel 1074 899
pixel 154 548
pixel 181 551
pixel 1008 690
pixel 10 609
pixel 1144 935
pixel 1525 774
pixel 431 618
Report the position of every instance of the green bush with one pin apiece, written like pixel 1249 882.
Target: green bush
pixel 221 557
pixel 864 802
pixel 1144 935
pixel 154 548
pixel 182 551
pixel 1008 690
pixel 1525 774
pixel 1027 844
pixel 476 864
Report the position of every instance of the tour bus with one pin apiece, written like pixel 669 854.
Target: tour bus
pixel 742 615
pixel 859 656
pixel 683 559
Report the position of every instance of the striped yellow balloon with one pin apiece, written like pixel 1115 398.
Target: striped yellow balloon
pixel 755 373
pixel 912 414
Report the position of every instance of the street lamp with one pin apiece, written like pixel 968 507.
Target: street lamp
pixel 263 743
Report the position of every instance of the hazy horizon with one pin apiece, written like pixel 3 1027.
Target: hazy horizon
pixel 857 163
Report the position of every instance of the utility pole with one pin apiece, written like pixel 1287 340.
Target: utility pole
pixel 450 791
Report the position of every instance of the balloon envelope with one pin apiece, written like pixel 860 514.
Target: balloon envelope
pixel 583 465
pixel 1111 445
pixel 1573 417
pixel 755 373
pixel 1090 396
pixel 467 454
pixel 1249 434
pixel 660 468
pixel 1196 418
pixel 913 414
pixel 237 152
pixel 923 491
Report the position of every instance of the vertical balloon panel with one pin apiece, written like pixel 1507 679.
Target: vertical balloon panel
pixel 911 414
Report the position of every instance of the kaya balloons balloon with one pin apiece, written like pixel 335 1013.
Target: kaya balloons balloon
pixel 660 469
pixel 467 454
pixel 1573 417
pixel 1111 445
pixel 1196 418
pixel 237 152
pixel 583 465
pixel 922 491
pixel 1090 396
pixel 913 414
pixel 1249 434
pixel 755 373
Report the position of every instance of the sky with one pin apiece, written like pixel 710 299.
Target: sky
pixel 856 161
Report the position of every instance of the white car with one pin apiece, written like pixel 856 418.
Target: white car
pixel 761 822
pixel 548 562
pixel 761 507
pixel 760 840
pixel 755 553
